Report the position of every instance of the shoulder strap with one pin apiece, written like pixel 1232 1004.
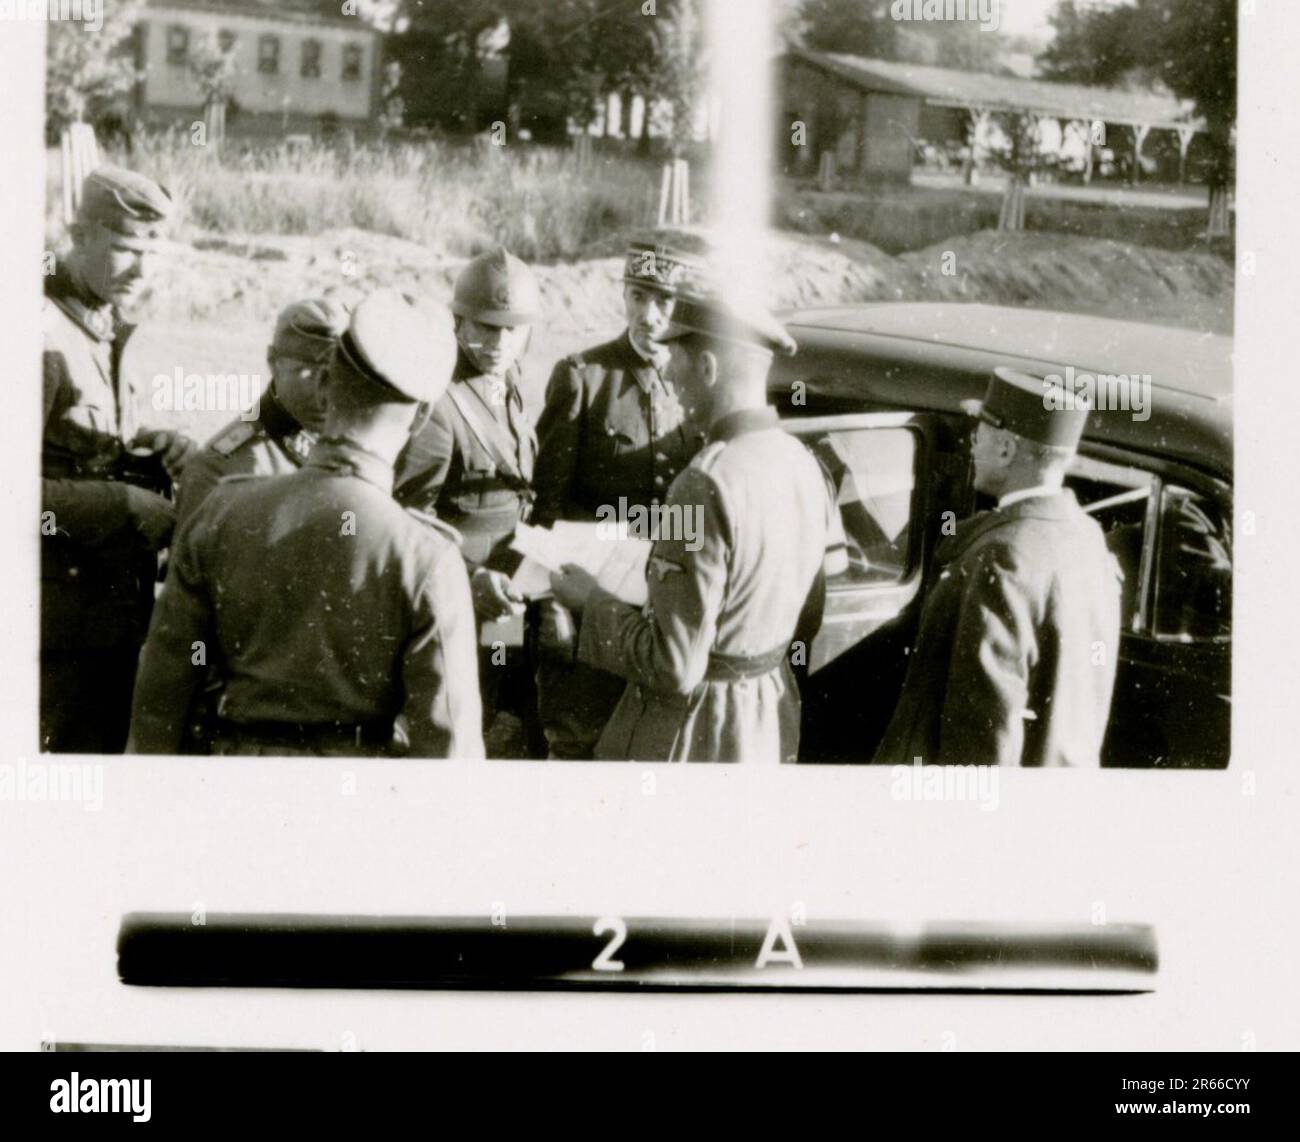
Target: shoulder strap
pixel 434 523
pixel 229 439
pixel 487 430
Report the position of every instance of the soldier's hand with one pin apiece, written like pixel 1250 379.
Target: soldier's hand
pixel 152 516
pixel 174 448
pixel 573 586
pixel 494 597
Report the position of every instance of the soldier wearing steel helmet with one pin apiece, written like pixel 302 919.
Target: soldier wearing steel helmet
pixel 106 508
pixel 339 624
pixel 613 431
pixel 290 413
pixel 471 464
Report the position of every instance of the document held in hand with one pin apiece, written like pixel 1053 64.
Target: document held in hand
pixel 617 562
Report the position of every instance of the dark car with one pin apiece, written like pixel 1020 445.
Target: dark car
pixel 877 392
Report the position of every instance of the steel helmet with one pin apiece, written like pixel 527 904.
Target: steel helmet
pixel 496 288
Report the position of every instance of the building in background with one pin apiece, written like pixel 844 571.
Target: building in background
pixel 299 65
pixel 876 117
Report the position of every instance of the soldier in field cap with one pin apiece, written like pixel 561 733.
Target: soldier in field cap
pixel 707 665
pixel 290 413
pixel 338 622
pixel 106 507
pixel 1014 662
pixel 613 431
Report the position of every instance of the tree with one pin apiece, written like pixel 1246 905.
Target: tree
pixel 87 74
pixel 212 68
pixel 1101 47
pixel 682 77
pixel 1188 46
pixel 392 107
pixel 443 47
pixel 852 27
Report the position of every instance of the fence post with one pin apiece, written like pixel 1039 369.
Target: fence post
pixel 826 171
pixel 80 156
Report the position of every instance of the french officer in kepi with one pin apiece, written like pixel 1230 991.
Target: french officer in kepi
pixel 106 508
pixel 1014 662
pixel 707 662
pixel 471 463
pixel 290 413
pixel 328 610
pixel 613 435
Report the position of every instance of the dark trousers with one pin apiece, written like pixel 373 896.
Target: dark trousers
pixel 506 687
pixel 86 699
pixel 574 701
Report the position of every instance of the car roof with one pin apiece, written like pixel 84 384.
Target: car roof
pixel 932 356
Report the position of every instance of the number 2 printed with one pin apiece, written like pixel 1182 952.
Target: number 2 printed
pixel 613 926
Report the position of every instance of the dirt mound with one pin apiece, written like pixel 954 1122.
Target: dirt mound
pixel 240 279
pixel 1089 275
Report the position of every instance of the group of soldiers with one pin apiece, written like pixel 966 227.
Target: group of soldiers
pixel 339 570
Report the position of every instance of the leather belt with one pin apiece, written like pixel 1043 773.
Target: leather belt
pixel 377 734
pixel 736 667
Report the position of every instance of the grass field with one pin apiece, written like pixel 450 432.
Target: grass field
pixel 456 200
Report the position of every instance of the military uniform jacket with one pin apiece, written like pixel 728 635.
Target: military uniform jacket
pixel 320 601
pixel 97 575
pixel 611 428
pixel 274 444
pixel 1015 658
pixel 707 662
pixel 474 475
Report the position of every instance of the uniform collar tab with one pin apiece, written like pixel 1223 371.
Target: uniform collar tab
pixel 345 457
pixel 742 421
pixel 95 317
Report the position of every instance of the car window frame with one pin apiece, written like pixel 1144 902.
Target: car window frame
pixel 1161 471
pixel 1089 465
pixel 1221 496
pixel 921 426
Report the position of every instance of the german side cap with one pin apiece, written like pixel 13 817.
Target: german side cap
pixel 1034 407
pixel 308 330
pixel 402 349
pixel 712 315
pixel 667 260
pixel 125 202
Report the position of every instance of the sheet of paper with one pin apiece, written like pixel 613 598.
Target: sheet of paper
pixel 531 579
pixel 617 563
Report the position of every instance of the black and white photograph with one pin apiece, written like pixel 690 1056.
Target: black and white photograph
pixel 453 410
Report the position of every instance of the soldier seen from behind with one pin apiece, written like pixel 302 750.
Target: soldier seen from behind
pixel 1014 661
pixel 336 621
pixel 707 663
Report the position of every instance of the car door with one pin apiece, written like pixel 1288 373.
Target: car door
pixel 1169 528
pixel 891 476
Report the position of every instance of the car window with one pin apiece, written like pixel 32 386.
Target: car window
pixel 1119 499
pixel 872 473
pixel 1194 567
